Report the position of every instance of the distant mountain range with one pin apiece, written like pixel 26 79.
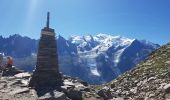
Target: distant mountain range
pixel 95 59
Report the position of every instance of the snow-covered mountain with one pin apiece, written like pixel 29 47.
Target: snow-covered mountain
pixel 91 47
pixel 100 42
pixel 95 59
pixel 105 56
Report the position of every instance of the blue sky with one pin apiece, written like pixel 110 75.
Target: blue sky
pixel 141 19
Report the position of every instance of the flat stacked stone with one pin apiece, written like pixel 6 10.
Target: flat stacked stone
pixel 46 73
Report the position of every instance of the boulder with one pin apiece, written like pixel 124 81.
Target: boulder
pixel 66 88
pixel 11 71
pixel 151 78
pixel 2 85
pixel 53 95
pixel 105 93
pixel 69 83
pixel 74 94
pixel 19 91
pixel 112 85
pixel 117 98
pixel 134 90
pixel 23 75
pixel 167 88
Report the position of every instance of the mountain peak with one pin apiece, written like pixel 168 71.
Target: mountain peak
pixel 15 36
pixel 102 35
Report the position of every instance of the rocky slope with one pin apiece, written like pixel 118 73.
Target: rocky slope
pixel 150 80
pixel 15 87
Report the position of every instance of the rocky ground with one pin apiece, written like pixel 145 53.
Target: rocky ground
pixel 150 80
pixel 15 87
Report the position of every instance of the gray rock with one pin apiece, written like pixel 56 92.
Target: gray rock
pixel 54 95
pixel 14 82
pixel 112 85
pixel 151 95
pixel 75 95
pixel 81 87
pixel 167 88
pixel 151 78
pixel 167 96
pixel 18 91
pixel 117 98
pixel 11 71
pixel 134 90
pixel 167 62
pixel 69 83
pixel 25 82
pixel 23 75
pixel 66 88
pixel 105 93
pixel 2 85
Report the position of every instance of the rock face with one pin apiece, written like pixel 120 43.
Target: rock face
pixel 46 73
pixel 150 80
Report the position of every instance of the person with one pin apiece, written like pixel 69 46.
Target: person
pixel 9 62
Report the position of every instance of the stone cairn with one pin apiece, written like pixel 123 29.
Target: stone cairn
pixel 46 74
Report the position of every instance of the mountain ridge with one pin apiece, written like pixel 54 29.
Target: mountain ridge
pixel 95 59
